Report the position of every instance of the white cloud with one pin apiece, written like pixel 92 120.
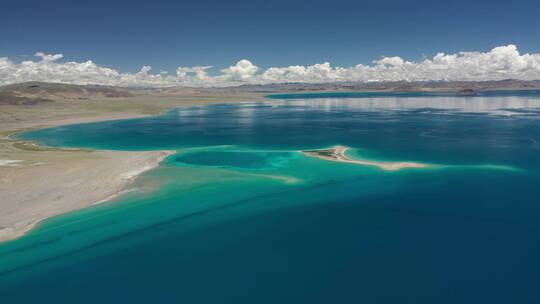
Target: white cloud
pixel 197 73
pixel 244 70
pixel 502 62
pixel 47 57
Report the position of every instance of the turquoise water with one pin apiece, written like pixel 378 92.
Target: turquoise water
pixel 239 215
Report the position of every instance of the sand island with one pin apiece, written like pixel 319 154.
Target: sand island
pixel 338 154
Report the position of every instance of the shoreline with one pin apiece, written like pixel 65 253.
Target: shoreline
pixel 107 176
pixel 10 129
pixel 41 182
pixel 338 154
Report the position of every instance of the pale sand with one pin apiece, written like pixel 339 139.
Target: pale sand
pixel 338 154
pixel 40 182
pixel 9 162
pixel 63 183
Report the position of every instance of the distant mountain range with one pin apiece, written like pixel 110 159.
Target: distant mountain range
pixel 399 86
pixel 29 93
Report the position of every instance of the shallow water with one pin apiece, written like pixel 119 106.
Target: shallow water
pixel 239 215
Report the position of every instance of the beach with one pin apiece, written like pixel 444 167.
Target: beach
pixel 39 182
pixel 42 184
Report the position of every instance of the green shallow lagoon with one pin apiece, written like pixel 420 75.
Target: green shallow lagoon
pixel 239 215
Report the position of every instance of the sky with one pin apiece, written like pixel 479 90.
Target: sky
pixel 127 36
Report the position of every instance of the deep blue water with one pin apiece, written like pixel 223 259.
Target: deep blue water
pixel 222 226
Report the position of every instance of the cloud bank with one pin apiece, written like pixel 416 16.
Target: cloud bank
pixel 503 62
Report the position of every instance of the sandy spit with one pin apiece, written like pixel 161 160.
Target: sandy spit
pixel 338 154
pixel 31 194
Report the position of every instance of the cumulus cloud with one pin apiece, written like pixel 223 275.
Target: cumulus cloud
pixel 503 62
pixel 244 70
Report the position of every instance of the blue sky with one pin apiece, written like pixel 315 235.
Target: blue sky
pixel 167 34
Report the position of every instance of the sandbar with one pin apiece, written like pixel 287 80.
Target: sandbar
pixel 338 154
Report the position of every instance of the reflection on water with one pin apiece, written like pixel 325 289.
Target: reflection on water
pixel 512 105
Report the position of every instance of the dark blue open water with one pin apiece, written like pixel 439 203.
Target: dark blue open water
pixel 240 216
